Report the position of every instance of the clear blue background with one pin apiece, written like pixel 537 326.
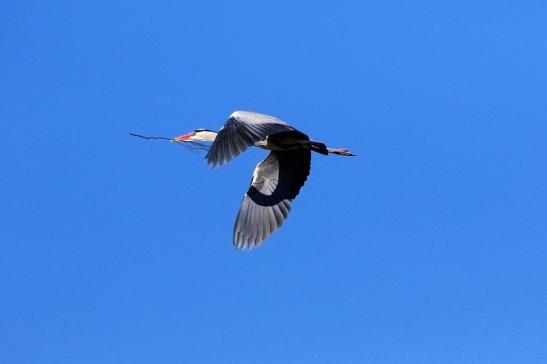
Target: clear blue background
pixel 429 247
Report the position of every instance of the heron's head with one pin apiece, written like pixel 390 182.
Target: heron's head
pixel 198 135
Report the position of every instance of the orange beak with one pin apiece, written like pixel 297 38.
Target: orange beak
pixel 183 137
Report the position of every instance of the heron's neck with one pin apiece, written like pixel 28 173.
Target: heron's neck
pixel 207 136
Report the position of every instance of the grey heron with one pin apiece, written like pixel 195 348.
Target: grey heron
pixel 276 180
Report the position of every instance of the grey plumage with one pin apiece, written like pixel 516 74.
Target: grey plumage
pixel 276 182
pixel 242 130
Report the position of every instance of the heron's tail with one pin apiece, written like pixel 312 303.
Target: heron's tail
pixel 323 149
pixel 340 151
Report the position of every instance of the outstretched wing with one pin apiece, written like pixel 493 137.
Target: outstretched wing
pixel 276 182
pixel 241 131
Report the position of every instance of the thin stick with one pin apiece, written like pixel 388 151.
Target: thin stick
pixel 149 137
pixel 190 144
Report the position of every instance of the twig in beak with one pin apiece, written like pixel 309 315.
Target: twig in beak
pixel 149 137
pixel 190 144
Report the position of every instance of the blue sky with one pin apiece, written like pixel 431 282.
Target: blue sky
pixel 429 247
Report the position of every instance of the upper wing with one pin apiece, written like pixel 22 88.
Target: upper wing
pixel 241 131
pixel 276 182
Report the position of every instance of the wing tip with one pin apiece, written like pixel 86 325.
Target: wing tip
pixel 244 244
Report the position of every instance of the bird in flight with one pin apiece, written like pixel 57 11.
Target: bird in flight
pixel 276 180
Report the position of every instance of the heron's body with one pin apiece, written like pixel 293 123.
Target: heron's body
pixel 285 141
pixel 276 180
